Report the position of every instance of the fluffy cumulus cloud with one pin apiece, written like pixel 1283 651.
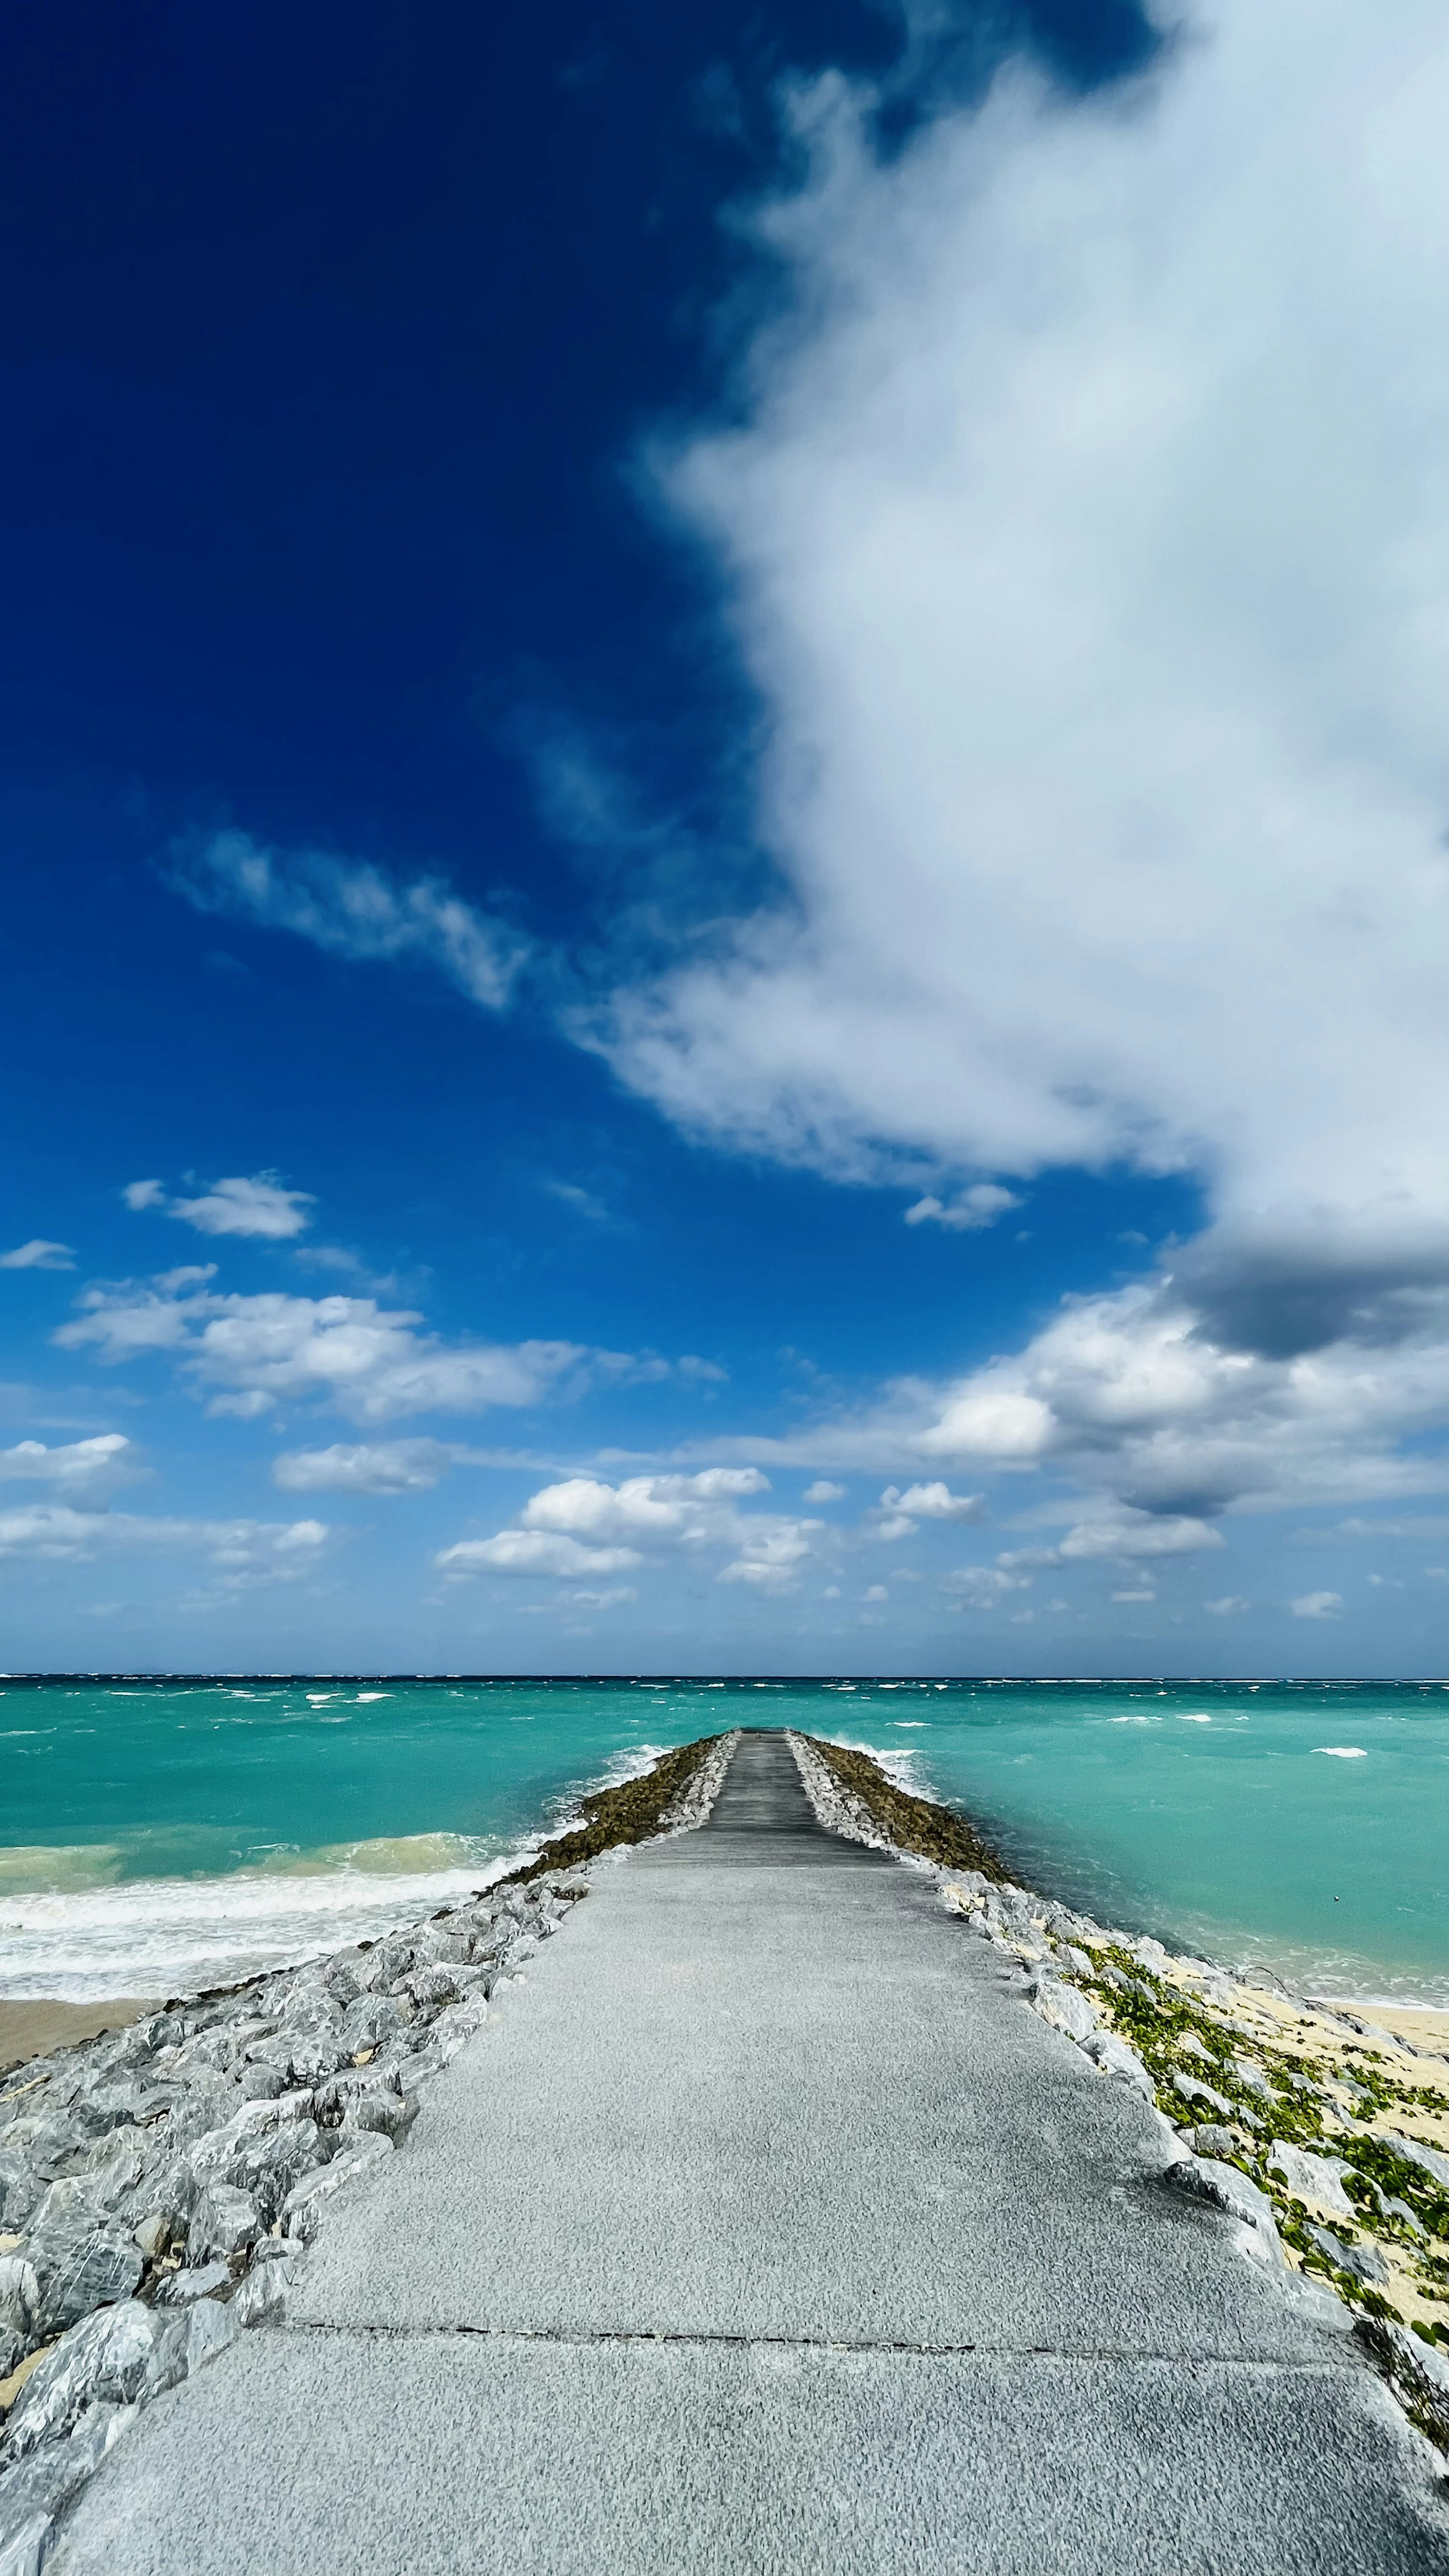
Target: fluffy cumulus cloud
pixel 240 1554
pixel 534 1551
pixel 1138 1397
pixel 38 1254
pixel 249 1354
pixel 900 1514
pixel 352 910
pixel 656 1511
pixel 584 1525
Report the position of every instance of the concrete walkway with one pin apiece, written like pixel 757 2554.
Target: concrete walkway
pixel 766 2229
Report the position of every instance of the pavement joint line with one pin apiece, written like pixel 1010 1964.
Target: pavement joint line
pixel 1300 2366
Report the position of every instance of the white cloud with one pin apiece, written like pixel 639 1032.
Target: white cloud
pixel 353 910
pixel 876 1592
pixel 376 1467
pixel 984 1587
pixel 251 1353
pixel 647 1511
pixel 933 1502
pixel 1136 1534
pixel 971 1211
pixel 243 1554
pixel 533 1551
pixel 584 1525
pixel 258 1206
pixel 1140 1397
pixel 582 1201
pixel 772 1551
pixel 1082 541
pixel 38 1254
pixel 1142 1594
pixel 1318 1605
pixel 82 1470
pixel 1229 1606
pixel 822 1491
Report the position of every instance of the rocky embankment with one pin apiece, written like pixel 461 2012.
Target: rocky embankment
pixel 1326 2137
pixel 159 2184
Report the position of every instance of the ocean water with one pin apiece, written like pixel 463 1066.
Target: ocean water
pixel 157 1836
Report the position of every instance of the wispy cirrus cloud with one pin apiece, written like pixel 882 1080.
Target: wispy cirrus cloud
pixel 241 1554
pixel 39 1254
pixel 352 909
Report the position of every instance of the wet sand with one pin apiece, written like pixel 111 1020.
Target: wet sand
pixel 31 2028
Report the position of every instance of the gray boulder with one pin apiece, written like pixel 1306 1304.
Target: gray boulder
pixel 225 2222
pixel 38 2487
pixel 1310 2177
pixel 1207 2179
pixel 82 2261
pixel 20 2189
pixel 1193 2089
pixel 1211 2139
pixel 1364 2261
pixel 1116 2059
pixel 1252 2078
pixel 118 2355
pixel 380 2111
pixel 19 2290
pixel 303 2208
pixel 367 2023
pixel 1430 2160
pixel 181 2289
pixel 1062 2007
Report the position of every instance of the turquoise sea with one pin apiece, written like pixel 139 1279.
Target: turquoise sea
pixel 160 1835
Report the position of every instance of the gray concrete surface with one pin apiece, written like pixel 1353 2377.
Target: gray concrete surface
pixel 766 2229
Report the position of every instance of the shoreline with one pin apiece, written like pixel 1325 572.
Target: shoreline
pixel 627 1811
pixel 35 2026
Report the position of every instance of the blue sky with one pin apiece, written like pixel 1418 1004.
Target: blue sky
pixel 723 778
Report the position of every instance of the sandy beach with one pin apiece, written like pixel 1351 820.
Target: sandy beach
pixel 1422 2025
pixel 40 2023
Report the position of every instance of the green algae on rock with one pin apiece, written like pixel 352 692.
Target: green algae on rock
pixel 631 1813
pixel 912 1824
